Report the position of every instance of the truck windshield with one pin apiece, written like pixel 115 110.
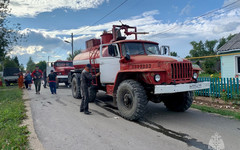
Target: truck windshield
pixel 63 64
pixel 140 49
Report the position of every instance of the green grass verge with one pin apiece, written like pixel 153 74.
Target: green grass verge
pixel 223 112
pixel 12 112
pixel 215 75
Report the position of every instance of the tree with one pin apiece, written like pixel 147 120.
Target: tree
pixel 223 40
pixel 173 54
pixel 30 64
pixel 16 60
pixel 75 53
pixel 9 63
pixel 209 65
pixel 9 33
pixel 42 65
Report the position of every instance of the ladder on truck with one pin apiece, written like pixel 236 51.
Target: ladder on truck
pixel 92 59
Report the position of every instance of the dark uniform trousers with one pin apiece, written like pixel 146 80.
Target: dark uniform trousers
pixel 86 79
pixel 85 98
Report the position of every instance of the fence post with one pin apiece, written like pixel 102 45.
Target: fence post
pixel 231 94
pixel 234 85
pixel 227 88
pixel 237 86
pixel 221 86
pixel 218 87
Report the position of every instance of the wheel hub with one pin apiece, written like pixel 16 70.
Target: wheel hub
pixel 127 99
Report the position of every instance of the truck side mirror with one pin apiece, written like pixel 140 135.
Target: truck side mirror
pixel 165 50
pixel 127 57
pixel 51 64
pixel 111 50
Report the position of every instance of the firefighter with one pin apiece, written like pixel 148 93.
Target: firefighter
pixel 37 77
pixel 52 79
pixel 86 80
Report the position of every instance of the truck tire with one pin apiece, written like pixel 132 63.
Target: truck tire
pixel 76 90
pixel 92 93
pixel 179 102
pixel 131 100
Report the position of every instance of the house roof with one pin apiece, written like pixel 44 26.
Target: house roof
pixel 231 45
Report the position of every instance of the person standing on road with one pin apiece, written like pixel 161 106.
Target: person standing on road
pixel 37 77
pixel 52 79
pixel 45 78
pixel 20 80
pixel 28 80
pixel 86 79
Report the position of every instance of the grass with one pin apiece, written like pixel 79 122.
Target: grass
pixel 223 112
pixel 12 112
pixel 205 75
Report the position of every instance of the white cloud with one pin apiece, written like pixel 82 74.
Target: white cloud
pixel 17 50
pixel 186 10
pixel 31 8
pixel 178 35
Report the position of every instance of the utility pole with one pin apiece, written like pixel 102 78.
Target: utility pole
pixel 48 58
pixel 72 45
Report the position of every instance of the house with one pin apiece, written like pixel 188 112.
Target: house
pixel 230 61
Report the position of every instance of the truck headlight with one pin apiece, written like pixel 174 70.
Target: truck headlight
pixel 157 77
pixel 195 75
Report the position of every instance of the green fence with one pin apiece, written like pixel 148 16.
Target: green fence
pixel 221 87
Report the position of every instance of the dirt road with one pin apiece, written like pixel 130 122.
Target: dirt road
pixel 60 125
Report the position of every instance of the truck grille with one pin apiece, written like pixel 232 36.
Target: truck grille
pixel 181 70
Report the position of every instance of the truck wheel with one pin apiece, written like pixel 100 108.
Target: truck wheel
pixel 92 93
pixel 179 102
pixel 76 91
pixel 131 100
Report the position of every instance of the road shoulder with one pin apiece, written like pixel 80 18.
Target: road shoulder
pixel 34 142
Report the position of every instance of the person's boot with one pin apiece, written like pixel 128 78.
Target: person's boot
pixel 87 112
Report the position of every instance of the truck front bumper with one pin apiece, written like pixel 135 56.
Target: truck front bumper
pixel 62 78
pixel 166 89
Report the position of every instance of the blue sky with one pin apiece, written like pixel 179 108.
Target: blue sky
pixel 48 23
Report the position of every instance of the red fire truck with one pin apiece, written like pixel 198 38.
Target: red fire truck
pixel 62 69
pixel 136 71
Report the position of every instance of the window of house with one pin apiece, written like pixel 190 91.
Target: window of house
pixel 238 64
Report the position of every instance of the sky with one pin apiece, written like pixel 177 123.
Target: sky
pixel 176 23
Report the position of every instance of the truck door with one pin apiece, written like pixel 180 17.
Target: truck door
pixel 109 62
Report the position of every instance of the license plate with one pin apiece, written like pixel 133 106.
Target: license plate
pixel 195 86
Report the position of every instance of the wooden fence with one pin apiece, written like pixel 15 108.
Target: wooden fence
pixel 219 87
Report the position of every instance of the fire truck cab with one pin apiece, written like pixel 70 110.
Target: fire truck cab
pixel 136 71
pixel 61 68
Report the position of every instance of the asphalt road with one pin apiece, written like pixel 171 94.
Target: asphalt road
pixel 59 125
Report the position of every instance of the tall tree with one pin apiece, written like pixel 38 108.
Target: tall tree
pixel 9 33
pixel 75 53
pixel 16 60
pixel 42 65
pixel 30 64
pixel 9 63
pixel 223 40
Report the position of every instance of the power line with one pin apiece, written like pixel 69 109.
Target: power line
pixel 105 15
pixel 206 14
